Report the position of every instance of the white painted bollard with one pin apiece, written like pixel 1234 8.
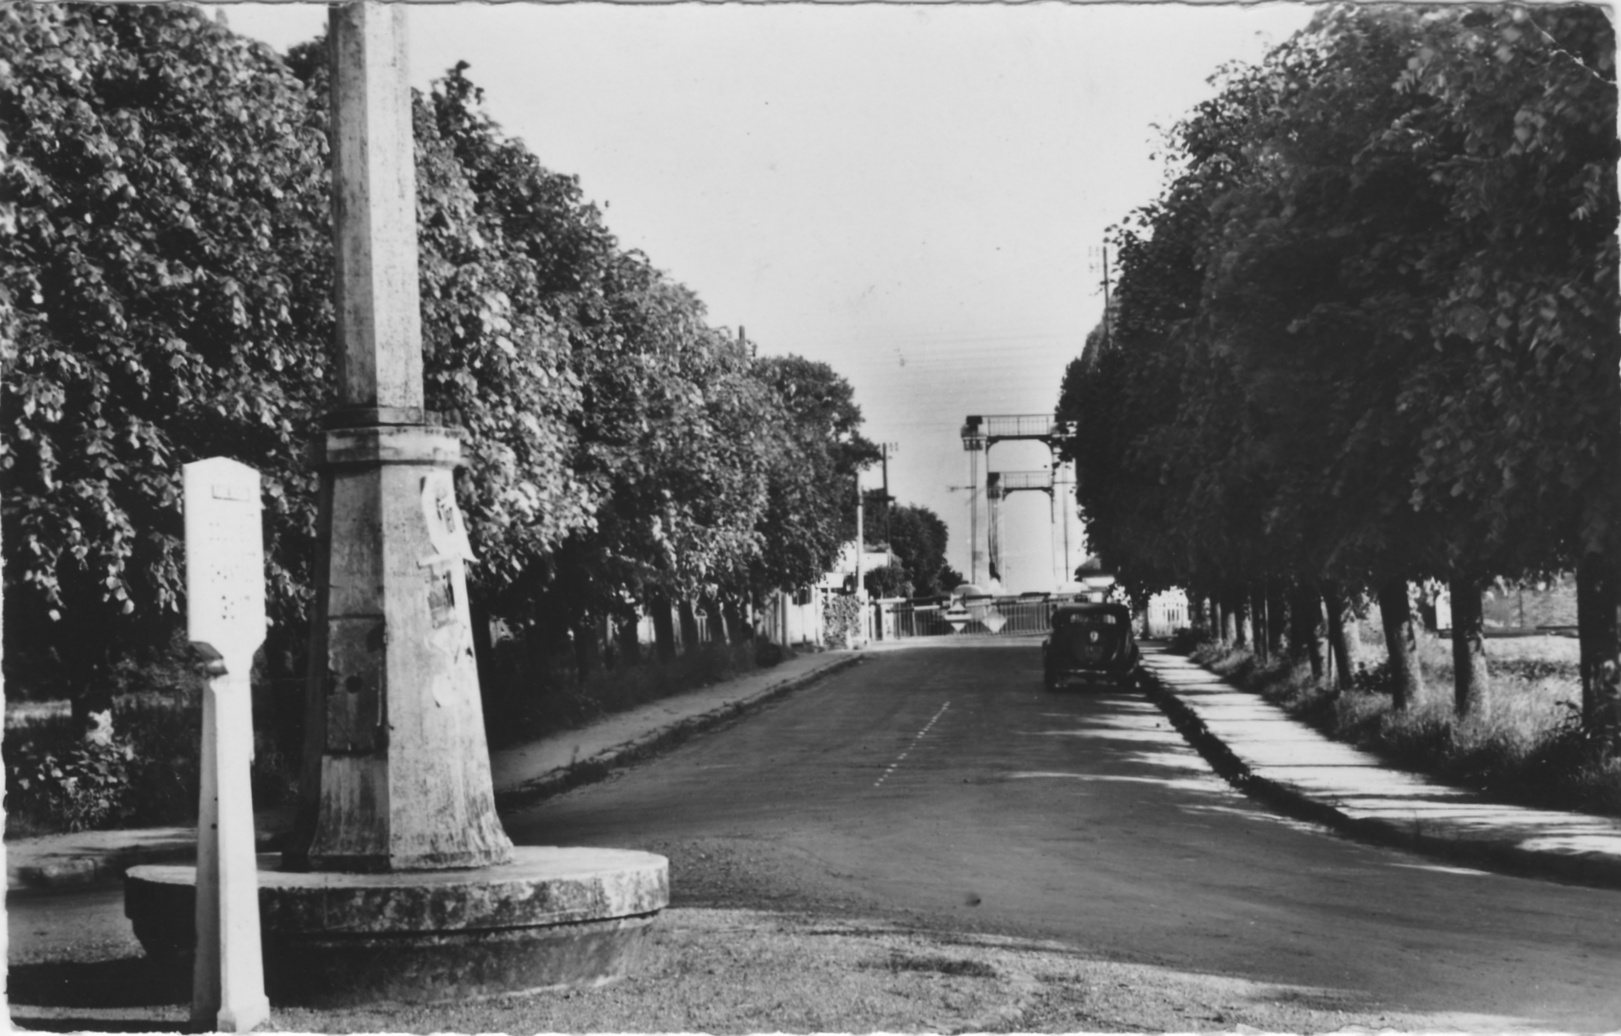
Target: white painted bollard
pixel 225 595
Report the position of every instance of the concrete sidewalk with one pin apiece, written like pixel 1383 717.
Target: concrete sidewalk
pixel 521 774
pixel 1258 747
pixel 528 772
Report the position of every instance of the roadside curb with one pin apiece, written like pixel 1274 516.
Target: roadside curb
pixel 1592 870
pixel 598 766
pixel 72 868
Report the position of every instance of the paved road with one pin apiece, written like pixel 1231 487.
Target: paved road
pixel 940 788
pixel 943 786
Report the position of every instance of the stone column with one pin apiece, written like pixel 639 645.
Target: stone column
pixel 396 768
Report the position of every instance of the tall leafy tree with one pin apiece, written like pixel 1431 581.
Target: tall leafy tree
pixel 1517 127
pixel 919 538
pixel 815 453
pixel 1311 294
pixel 1387 266
pixel 163 265
pixel 507 252
pixel 675 429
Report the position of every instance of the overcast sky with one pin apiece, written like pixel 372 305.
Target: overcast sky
pixel 915 195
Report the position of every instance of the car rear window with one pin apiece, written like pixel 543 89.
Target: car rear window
pixel 1090 619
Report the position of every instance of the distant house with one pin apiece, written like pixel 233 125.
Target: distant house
pixel 1167 612
pixel 841 577
pixel 797 617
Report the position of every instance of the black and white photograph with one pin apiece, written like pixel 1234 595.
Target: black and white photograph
pixel 831 517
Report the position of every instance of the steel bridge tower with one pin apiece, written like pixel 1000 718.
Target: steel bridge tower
pixel 979 434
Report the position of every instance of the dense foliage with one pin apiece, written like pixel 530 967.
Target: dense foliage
pixel 165 263
pixel 918 537
pixel 1368 333
pixel 161 248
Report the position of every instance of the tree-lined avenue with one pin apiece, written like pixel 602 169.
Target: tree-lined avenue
pixel 1082 816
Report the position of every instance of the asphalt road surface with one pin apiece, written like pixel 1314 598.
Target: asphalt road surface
pixel 929 837
pixel 944 787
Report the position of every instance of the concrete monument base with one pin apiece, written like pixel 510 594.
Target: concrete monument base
pixel 552 918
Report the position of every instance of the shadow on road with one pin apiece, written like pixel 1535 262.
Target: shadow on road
pixel 97 1023
pixel 128 994
pixel 125 982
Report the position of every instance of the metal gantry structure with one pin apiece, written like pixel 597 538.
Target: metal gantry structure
pixel 998 486
pixel 981 432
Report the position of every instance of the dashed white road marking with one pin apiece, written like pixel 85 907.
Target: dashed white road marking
pixel 912 744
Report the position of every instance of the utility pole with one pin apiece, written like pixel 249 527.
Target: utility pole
pixel 1052 517
pixel 889 501
pixel 1067 575
pixel 860 547
pixel 1107 313
pixel 743 342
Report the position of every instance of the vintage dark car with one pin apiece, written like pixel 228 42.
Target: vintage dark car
pixel 1090 642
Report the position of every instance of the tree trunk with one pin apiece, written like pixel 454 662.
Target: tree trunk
pixel 1469 673
pixel 1426 609
pixel 1277 619
pixel 91 705
pixel 1596 624
pixel 1334 606
pixel 1401 643
pixel 689 626
pixel 663 627
pixel 604 627
pixel 715 628
pixel 1232 622
pixel 85 669
pixel 1218 621
pixel 630 644
pixel 1259 623
pixel 587 649
pixel 1305 628
pixel 1242 627
pixel 737 630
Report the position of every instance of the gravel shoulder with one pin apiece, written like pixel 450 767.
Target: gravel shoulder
pixel 738 953
pixel 738 971
pixel 741 971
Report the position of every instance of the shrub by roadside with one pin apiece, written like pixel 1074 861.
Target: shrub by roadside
pixel 147 774
pixel 841 621
pixel 1523 745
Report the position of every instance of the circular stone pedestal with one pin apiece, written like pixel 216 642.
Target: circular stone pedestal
pixel 551 918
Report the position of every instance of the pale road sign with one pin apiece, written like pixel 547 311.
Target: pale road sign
pixel 225 621
pixel 994 621
pixel 225 558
